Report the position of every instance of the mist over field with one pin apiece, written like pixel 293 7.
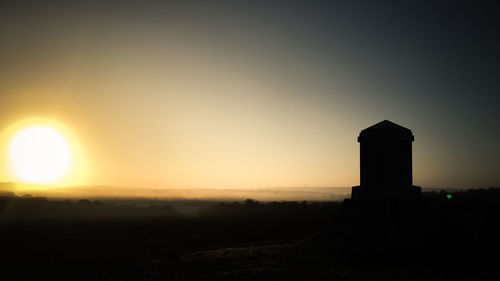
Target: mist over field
pixel 263 194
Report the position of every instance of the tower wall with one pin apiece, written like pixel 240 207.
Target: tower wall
pixel 385 163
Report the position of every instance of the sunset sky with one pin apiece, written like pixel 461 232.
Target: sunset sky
pixel 254 94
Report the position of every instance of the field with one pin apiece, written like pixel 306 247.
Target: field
pixel 100 240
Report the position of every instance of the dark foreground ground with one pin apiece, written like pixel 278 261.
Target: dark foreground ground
pixel 451 239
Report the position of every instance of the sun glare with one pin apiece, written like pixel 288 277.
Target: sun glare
pixel 39 154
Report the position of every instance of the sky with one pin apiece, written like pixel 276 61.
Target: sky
pixel 256 94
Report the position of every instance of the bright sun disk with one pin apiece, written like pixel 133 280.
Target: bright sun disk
pixel 39 154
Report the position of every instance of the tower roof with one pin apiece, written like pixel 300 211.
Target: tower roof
pixel 385 130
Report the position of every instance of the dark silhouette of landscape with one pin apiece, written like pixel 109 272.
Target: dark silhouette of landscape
pixel 454 236
pixel 388 230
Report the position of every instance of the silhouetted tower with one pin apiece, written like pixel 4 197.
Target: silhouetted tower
pixel 386 163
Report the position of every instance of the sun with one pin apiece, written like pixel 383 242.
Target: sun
pixel 39 154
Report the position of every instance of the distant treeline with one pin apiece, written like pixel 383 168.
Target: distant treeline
pixel 27 207
pixel 15 208
pixel 491 193
pixel 286 209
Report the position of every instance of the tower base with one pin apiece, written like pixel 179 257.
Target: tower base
pixel 363 193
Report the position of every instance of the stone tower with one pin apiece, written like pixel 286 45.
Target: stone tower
pixel 385 163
